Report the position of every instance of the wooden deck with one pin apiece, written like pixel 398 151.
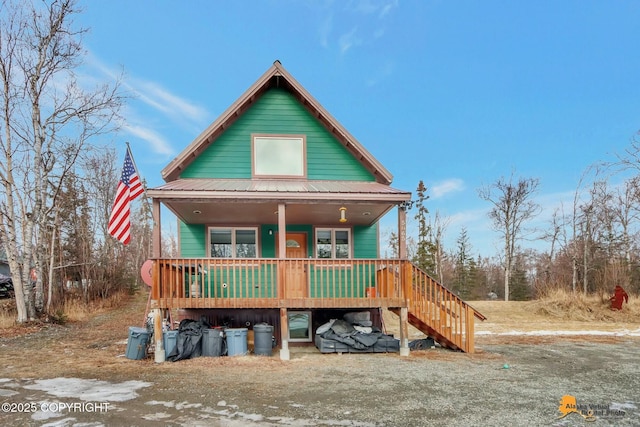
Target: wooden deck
pixel 317 283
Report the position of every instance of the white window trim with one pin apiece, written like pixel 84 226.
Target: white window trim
pixel 233 239
pixel 310 331
pixel 333 241
pixel 255 161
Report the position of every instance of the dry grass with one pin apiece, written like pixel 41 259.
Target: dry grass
pixel 565 316
pixel 74 311
pixel 7 313
pixel 569 306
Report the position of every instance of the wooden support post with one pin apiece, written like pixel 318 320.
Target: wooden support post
pixel 402 232
pixel 284 335
pixel 157 334
pixel 469 330
pixel 404 331
pixel 282 231
pixel 157 230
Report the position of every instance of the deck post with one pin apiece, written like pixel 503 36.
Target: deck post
pixel 157 334
pixel 404 331
pixel 284 335
pixel 157 229
pixel 402 232
pixel 470 318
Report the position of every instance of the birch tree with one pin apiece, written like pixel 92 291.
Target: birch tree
pixel 511 208
pixel 46 120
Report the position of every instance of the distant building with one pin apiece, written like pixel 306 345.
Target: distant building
pixel 4 265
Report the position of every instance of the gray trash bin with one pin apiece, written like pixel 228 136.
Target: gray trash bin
pixel 169 340
pixel 236 341
pixel 263 339
pixel 137 343
pixel 212 340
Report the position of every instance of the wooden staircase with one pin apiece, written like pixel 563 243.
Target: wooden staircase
pixel 438 312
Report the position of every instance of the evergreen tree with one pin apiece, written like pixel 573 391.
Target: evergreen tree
pixel 463 274
pixel 425 256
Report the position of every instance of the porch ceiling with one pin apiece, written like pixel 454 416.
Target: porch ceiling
pixel 243 212
pixel 245 202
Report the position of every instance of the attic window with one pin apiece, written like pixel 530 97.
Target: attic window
pixel 279 156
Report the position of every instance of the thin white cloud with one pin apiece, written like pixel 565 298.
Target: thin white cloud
pixel 386 8
pixel 382 72
pixel 325 31
pixel 371 7
pixel 348 40
pixel 150 107
pixel 172 105
pixel 158 143
pixel 443 188
pixel 368 15
pixel 469 217
pixel 153 95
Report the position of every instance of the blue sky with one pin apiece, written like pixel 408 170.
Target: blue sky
pixel 455 93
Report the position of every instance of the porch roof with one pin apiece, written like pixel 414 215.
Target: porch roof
pixel 245 201
pixel 208 187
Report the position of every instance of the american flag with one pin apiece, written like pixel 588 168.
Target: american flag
pixel 129 188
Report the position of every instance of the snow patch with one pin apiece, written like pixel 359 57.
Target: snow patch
pixel 7 393
pixel 157 417
pixel 163 403
pixel 622 333
pixel 623 406
pixel 89 390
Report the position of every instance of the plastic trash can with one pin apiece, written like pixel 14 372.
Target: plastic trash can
pixel 212 340
pixel 169 340
pixel 137 343
pixel 263 339
pixel 236 341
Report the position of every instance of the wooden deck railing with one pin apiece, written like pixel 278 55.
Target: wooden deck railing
pixel 438 312
pixel 317 283
pixel 273 283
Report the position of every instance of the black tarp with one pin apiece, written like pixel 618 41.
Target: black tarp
pixel 189 342
pixel 344 332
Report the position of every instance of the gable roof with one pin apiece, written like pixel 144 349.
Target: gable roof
pixel 275 76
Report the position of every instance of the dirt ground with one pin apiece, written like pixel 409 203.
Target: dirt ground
pixel 64 376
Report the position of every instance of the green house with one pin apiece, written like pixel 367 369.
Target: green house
pixel 278 208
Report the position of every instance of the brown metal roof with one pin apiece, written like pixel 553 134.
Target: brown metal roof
pixel 250 202
pixel 275 75
pixel 269 189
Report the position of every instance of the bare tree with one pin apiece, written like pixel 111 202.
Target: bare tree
pixel 437 228
pixel 512 208
pixel 46 120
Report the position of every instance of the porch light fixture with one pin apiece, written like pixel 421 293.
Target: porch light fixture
pixel 197 212
pixel 343 214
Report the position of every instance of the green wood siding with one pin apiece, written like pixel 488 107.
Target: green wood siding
pixel 342 282
pixel 365 241
pixel 193 240
pixel 277 112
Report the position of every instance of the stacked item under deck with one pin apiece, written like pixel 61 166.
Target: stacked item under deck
pixel 354 334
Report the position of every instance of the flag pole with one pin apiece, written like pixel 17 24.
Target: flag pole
pixel 144 187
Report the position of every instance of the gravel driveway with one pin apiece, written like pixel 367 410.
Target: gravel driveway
pixel 60 375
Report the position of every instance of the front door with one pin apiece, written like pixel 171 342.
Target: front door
pixel 295 274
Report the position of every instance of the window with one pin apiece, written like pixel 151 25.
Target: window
pixel 279 156
pixel 299 326
pixel 233 242
pixel 333 243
